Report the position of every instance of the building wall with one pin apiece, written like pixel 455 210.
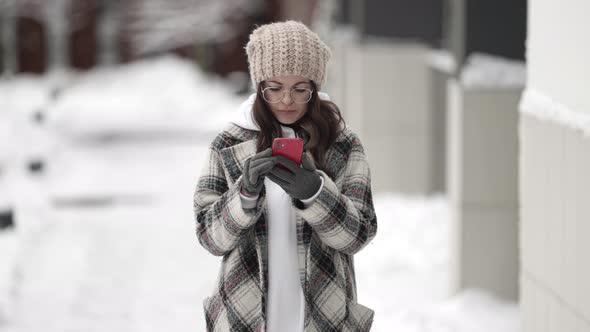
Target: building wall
pixel 482 188
pixel 558 51
pixel 554 172
pixel 383 90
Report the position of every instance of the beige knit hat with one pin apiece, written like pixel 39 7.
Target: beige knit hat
pixel 286 48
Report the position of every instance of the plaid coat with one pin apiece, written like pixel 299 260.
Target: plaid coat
pixel 339 223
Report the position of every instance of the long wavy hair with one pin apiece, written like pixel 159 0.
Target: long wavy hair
pixel 320 125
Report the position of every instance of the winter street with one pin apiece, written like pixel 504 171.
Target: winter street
pixel 356 166
pixel 107 240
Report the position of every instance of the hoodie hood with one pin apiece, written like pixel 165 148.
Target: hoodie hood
pixel 244 116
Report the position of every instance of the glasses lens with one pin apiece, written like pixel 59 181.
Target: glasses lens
pixel 272 95
pixel 301 95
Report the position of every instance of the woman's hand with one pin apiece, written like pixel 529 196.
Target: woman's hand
pixel 254 171
pixel 298 182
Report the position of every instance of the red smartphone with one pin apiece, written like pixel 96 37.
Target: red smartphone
pixel 289 147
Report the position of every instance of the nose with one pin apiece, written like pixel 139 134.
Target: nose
pixel 287 94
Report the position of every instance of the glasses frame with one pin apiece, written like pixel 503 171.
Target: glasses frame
pixel 283 96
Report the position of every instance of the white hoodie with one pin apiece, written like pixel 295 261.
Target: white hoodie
pixel 285 306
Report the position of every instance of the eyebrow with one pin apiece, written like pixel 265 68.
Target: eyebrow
pixel 293 84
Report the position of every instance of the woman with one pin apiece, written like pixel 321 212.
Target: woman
pixel 287 234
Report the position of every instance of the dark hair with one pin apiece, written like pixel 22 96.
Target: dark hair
pixel 320 125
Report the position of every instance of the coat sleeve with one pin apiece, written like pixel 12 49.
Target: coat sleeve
pixel 220 219
pixel 345 219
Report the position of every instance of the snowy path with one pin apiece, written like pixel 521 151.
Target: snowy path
pixel 119 267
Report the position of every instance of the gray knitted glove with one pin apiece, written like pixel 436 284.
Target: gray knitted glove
pixel 254 171
pixel 298 182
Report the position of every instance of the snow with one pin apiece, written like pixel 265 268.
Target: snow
pixel 20 99
pixel 471 310
pixel 442 60
pixel 543 107
pixel 193 103
pixel 483 70
pixel 105 238
pixel 404 273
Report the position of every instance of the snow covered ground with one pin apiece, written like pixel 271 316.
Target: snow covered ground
pixel 105 239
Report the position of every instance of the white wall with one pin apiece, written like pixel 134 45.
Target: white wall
pixel 558 51
pixel 555 169
pixel 482 187
pixel 554 227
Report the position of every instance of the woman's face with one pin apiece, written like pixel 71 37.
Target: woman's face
pixel 287 110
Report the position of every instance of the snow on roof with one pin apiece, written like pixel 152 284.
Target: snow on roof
pixel 490 71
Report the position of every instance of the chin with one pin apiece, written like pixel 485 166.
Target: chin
pixel 287 121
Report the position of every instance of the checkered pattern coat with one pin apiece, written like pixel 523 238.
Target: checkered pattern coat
pixel 339 223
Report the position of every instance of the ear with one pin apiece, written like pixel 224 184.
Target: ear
pixel 307 161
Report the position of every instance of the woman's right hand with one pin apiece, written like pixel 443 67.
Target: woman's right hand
pixel 255 169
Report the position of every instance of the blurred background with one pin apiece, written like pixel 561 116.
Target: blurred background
pixel 475 117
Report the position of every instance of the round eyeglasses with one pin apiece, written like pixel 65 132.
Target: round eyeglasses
pixel 275 94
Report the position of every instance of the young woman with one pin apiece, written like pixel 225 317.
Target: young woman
pixel 287 232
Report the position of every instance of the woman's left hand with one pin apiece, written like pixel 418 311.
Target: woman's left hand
pixel 298 182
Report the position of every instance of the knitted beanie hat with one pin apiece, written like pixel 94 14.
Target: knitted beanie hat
pixel 286 48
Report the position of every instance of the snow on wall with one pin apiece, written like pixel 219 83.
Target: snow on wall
pixel 545 108
pixel 490 71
